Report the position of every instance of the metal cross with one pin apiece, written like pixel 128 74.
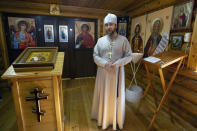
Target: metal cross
pixel 37 97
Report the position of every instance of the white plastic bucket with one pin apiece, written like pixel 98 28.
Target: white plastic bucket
pixel 134 93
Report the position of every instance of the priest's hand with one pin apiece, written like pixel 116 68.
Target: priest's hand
pixel 114 66
pixel 108 66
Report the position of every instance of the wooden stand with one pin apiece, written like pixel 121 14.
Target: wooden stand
pixel 38 98
pixel 167 58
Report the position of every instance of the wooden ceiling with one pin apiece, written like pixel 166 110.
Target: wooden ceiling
pixel 116 5
pixel 101 7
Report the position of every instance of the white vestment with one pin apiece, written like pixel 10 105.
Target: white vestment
pixel 108 106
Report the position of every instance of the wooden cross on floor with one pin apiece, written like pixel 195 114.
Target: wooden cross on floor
pixel 37 97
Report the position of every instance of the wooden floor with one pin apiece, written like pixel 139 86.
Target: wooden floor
pixel 78 94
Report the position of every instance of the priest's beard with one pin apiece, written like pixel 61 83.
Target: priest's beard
pixel 111 34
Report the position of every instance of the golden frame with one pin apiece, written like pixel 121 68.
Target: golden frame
pixel 24 62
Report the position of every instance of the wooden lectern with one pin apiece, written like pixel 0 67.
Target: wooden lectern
pixel 166 59
pixel 38 97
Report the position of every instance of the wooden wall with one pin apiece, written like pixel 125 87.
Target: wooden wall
pixel 183 95
pixel 67 11
pixel 149 6
pixel 3 53
pixel 192 61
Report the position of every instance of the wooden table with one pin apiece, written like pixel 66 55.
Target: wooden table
pixel 167 58
pixel 38 98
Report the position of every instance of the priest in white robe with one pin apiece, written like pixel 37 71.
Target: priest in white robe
pixel 111 53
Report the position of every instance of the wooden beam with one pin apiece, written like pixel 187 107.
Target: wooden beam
pixel 43 9
pixel 150 6
pixel 3 46
pixel 137 4
pixel 192 61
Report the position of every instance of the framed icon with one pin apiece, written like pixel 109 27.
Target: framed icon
pixel 84 34
pixel 22 32
pixel 36 58
pixel 176 42
pixel 63 33
pixel 182 15
pixel 48 33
